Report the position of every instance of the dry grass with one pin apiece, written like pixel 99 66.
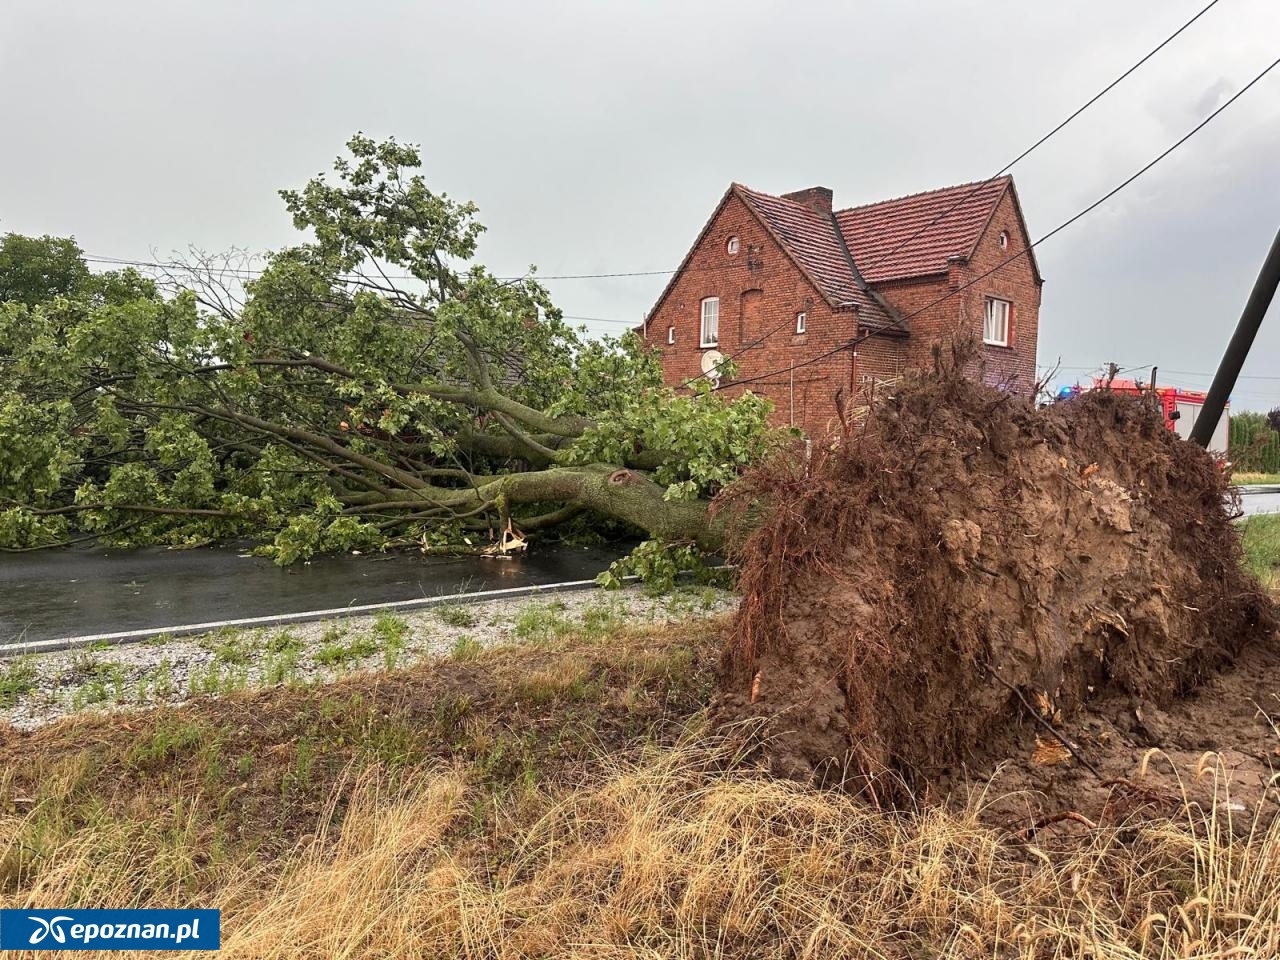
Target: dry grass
pixel 465 811
pixel 1253 478
pixel 673 856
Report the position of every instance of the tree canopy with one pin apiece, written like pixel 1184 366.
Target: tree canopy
pixel 36 269
pixel 373 386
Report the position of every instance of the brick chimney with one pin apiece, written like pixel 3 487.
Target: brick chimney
pixel 817 199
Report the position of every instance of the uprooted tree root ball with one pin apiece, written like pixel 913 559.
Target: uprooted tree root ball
pixel 961 559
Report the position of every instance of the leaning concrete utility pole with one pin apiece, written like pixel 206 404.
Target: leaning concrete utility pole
pixel 1224 380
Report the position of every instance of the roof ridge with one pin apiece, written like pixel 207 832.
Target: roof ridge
pixel 779 197
pixel 926 193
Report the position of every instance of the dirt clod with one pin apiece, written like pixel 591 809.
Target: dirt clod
pixel 961 558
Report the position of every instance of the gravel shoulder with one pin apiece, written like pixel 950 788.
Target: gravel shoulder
pixel 39 689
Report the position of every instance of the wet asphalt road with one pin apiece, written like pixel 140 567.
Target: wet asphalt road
pixel 77 591
pixel 1254 500
pixel 90 590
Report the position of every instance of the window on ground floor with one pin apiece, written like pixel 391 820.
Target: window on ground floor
pixel 995 322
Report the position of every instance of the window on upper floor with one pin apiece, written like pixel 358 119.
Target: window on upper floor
pixel 671 334
pixel 1004 240
pixel 996 319
pixel 732 246
pixel 801 319
pixel 710 322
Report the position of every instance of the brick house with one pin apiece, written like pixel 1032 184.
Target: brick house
pixel 783 284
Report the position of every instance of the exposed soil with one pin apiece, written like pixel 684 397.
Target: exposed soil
pixel 963 562
pixel 1221 741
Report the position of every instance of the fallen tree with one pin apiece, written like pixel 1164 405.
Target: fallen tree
pixel 964 563
pixel 373 386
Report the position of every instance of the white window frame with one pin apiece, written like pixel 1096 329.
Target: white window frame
pixel 733 245
pixel 802 319
pixel 995 325
pixel 671 334
pixel 709 330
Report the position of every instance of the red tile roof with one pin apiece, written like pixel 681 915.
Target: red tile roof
pixel 913 236
pixel 810 239
pixel 900 239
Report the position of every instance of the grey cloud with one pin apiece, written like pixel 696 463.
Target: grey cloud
pixel 597 137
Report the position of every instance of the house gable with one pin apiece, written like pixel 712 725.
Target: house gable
pixel 1010 197
pixel 804 238
pixel 762 292
pixel 811 240
pixel 801 283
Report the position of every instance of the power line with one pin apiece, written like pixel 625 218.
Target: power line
pixel 1031 149
pixel 977 187
pixel 849 344
pixel 253 272
pixel 250 273
pixel 247 273
pixel 1243 376
pixel 1106 196
pixel 1059 228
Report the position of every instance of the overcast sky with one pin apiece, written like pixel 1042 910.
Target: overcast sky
pixel 597 137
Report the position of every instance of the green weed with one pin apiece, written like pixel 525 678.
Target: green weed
pixel 455 615
pixel 16 681
pixel 392 633
pixel 540 622
pixel 465 647
pixel 219 677
pixel 335 654
pixel 603 618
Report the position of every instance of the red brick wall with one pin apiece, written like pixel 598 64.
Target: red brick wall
pixel 805 398
pixel 1013 366
pixel 935 320
pixel 761 290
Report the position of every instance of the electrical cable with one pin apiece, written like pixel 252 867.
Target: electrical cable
pixel 1059 228
pixel 977 187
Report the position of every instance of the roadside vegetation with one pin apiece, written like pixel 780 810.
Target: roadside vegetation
pixel 564 798
pixel 566 794
pixel 373 387
pixel 1254 445
pixel 1268 479
pixel 37 689
pixel 1260 536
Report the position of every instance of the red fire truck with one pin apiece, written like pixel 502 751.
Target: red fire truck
pixel 1181 407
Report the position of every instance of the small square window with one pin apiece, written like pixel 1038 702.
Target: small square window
pixel 732 246
pixel 671 334
pixel 801 319
pixel 710 322
pixel 995 322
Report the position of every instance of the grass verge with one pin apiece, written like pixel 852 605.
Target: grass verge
pixel 1260 537
pixel 565 800
pixel 1255 478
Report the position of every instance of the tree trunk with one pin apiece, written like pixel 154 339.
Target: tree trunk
pixel 620 494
